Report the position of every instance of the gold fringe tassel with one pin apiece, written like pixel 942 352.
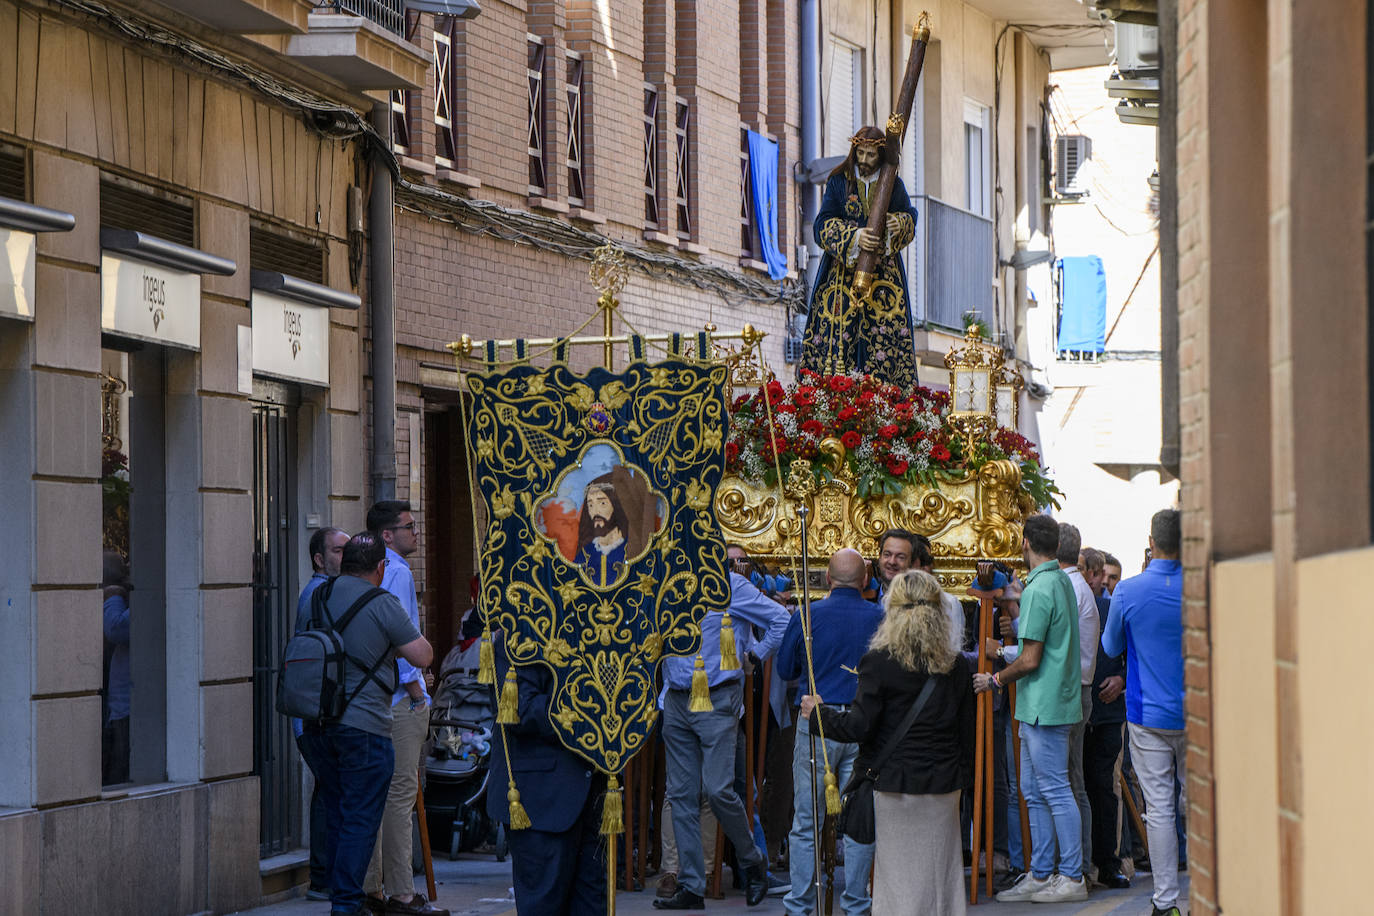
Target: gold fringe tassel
pixel 701 691
pixel 519 819
pixel 613 809
pixel 832 792
pixel 729 660
pixel 486 659
pixel 508 709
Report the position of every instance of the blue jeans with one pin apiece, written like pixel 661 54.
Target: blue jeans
pixel 801 848
pixel 352 774
pixel 1050 803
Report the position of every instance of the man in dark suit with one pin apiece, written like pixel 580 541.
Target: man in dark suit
pixel 558 863
pixel 1102 739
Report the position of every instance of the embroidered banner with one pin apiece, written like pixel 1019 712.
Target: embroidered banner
pixel 601 552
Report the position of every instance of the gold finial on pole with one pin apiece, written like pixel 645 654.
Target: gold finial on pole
pixel 609 273
pixel 922 30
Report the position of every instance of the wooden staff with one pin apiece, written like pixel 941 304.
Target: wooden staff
pixel 627 796
pixel 1135 814
pixel 982 752
pixel 887 177
pixel 424 838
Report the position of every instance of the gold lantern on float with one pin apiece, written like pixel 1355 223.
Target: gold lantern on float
pixel 1006 396
pixel 974 370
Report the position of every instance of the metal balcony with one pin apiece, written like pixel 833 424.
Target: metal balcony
pixel 950 270
pixel 361 43
pixel 389 14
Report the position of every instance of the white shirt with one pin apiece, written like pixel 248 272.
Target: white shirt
pixel 955 612
pixel 1089 625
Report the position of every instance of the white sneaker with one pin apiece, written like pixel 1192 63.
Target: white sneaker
pixel 1060 889
pixel 1025 888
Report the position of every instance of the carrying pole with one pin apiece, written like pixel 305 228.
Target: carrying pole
pixel 817 795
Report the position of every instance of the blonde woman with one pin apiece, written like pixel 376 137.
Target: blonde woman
pixel 918 865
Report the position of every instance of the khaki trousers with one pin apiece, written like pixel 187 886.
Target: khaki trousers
pixel 391 859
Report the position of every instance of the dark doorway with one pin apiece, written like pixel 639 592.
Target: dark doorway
pixel 449 552
pixel 275 760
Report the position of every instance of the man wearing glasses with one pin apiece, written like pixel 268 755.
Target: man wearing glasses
pixel 390 879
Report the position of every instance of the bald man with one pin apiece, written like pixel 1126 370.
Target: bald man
pixel 841 627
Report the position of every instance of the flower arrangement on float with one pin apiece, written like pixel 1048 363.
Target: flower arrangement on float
pixel 891 437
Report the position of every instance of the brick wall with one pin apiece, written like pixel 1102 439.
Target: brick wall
pixel 1195 468
pixel 451 282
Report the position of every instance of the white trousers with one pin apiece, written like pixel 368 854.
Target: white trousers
pixel 1159 758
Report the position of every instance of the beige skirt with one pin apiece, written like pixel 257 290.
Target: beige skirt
pixel 918 858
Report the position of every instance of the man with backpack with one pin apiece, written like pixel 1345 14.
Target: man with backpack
pixel 350 634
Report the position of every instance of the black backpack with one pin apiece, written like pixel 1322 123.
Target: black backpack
pixel 310 679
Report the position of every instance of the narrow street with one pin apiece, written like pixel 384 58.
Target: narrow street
pixel 477 885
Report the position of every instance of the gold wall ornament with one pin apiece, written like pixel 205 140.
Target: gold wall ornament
pixel 971 516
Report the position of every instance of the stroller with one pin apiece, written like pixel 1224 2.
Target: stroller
pixel 458 767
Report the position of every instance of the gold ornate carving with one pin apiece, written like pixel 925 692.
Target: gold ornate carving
pixel 970 516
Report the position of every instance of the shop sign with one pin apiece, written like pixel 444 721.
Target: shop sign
pixel 149 302
pixel 18 251
pixel 290 339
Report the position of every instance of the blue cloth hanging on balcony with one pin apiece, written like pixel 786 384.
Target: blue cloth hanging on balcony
pixel 763 188
pixel 1083 315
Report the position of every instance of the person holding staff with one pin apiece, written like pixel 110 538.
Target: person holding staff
pixel 916 789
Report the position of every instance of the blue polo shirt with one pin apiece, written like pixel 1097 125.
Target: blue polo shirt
pixel 1146 622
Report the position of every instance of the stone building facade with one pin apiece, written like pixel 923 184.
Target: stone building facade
pixel 180 391
pixel 1272 300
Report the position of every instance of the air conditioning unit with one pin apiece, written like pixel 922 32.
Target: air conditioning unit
pixel 1137 50
pixel 1071 151
pixel 792 342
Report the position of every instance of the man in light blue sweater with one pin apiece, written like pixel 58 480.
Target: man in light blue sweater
pixel 1146 622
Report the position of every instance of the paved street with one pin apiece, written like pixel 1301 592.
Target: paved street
pixel 477 885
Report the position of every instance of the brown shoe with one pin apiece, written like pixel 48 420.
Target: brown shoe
pixel 376 905
pixel 418 906
pixel 667 886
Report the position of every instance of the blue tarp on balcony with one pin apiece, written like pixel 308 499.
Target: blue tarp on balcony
pixel 763 181
pixel 1083 315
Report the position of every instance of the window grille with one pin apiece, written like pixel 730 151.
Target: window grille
pixel 12 175
pixel 682 128
pixel 445 143
pixel 282 253
pixel 651 215
pixel 747 234
pixel 167 217
pixel 577 191
pixel 535 71
pixel 401 101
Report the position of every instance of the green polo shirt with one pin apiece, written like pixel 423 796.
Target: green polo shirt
pixel 1051 695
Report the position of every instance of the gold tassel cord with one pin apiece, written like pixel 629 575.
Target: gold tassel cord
pixel 832 792
pixel 701 690
pixel 508 709
pixel 613 809
pixel 832 798
pixel 519 818
pixel 486 655
pixel 729 659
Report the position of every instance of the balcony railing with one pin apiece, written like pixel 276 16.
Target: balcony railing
pixel 389 14
pixel 950 269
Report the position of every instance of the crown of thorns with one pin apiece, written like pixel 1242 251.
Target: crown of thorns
pixel 871 142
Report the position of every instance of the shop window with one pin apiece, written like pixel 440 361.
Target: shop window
pixel 134 581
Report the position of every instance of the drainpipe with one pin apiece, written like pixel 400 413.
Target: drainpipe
pixel 810 130
pixel 381 216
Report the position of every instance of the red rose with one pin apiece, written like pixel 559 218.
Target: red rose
pixel 897 467
pixel 888 431
pixel 847 414
pixel 851 440
pixel 939 453
pixel 814 427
